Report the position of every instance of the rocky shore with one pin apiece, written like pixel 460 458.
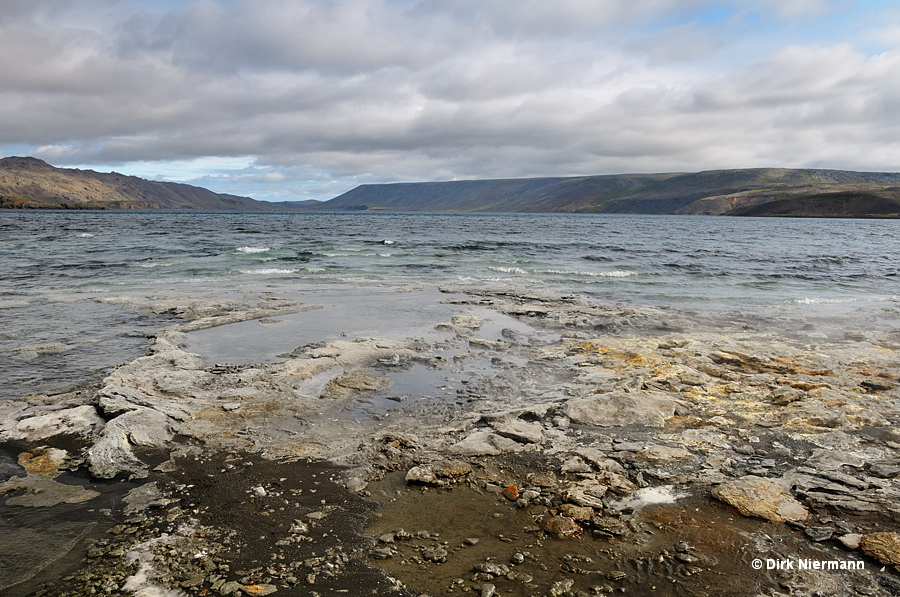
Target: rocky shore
pixel 540 446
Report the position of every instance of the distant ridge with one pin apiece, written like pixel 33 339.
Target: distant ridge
pixel 743 192
pixel 30 183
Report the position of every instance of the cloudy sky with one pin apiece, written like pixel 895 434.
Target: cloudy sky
pixel 298 99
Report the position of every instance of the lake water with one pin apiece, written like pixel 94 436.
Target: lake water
pixel 842 276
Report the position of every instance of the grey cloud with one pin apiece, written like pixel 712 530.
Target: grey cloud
pixel 373 91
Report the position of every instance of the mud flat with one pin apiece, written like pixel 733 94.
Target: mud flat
pixel 495 443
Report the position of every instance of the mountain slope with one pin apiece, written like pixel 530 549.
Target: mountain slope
pixel 30 183
pixel 719 192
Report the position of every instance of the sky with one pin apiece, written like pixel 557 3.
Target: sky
pixel 286 100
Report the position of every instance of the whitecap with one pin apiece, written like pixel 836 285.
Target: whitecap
pixel 508 270
pixel 819 301
pixel 86 235
pixel 269 271
pixel 388 242
pixel 609 274
pixel 253 249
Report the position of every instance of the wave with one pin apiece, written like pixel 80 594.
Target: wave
pixel 86 235
pixel 268 271
pixel 609 274
pixel 253 249
pixel 508 270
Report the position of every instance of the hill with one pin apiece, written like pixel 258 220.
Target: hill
pixel 30 183
pixel 756 192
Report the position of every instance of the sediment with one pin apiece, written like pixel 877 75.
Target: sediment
pixel 587 449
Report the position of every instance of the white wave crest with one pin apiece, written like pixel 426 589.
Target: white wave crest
pixel 86 235
pixel 253 249
pixel 609 274
pixel 268 271
pixel 819 301
pixel 508 270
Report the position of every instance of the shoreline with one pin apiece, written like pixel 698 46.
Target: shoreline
pixel 562 411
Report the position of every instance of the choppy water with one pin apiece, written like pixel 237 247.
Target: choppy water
pixel 53 265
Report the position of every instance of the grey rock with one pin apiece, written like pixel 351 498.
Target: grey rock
pixel 819 534
pixel 850 540
pixel 80 421
pixel 620 408
pixel 485 443
pixel 113 453
pixel 521 431
pixel 438 555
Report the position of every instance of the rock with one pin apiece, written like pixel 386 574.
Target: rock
pixel 616 482
pixel 819 534
pixel 79 421
pixel 561 588
pixel 851 540
pixel 466 322
pixel 488 344
pixel 561 526
pixel 585 493
pixel 599 460
pixel 422 474
pixel 438 555
pixel 487 590
pixel 544 479
pixel 579 513
pixel 620 408
pixel 885 470
pixel 259 590
pixel 761 498
pixel 344 386
pixel 662 454
pixel 229 588
pixel 785 395
pixel 511 493
pixel 42 491
pixel 521 431
pixel 451 468
pixel 575 465
pixel 883 546
pixel 113 455
pixel 43 461
pixel 143 497
pixel 485 443
pixel 382 553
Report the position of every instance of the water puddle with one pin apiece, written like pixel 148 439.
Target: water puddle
pixel 378 313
